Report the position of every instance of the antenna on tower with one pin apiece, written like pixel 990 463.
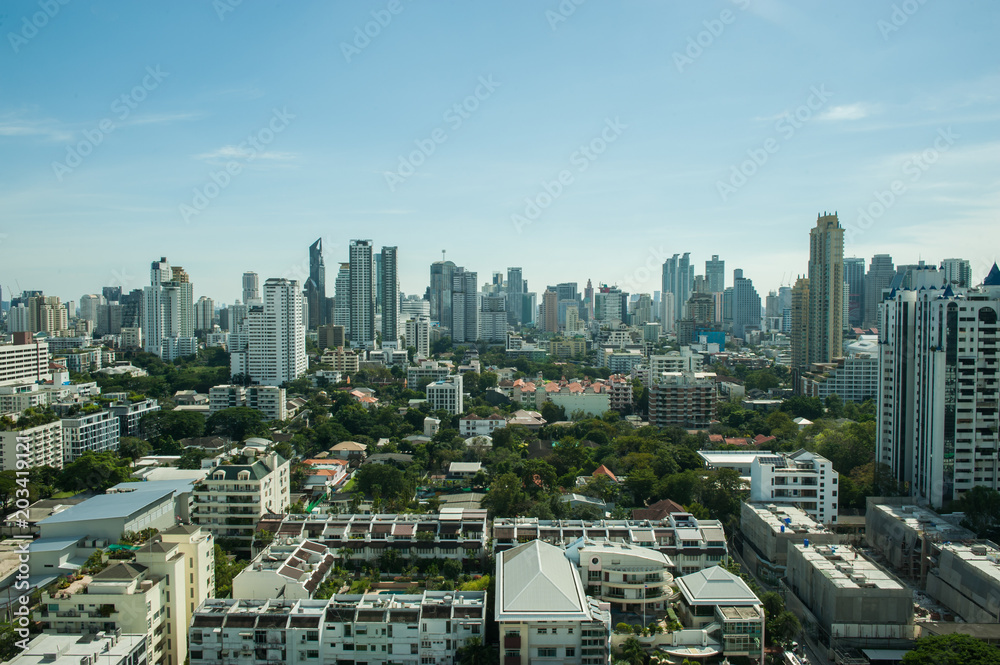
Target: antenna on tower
pixel 442 254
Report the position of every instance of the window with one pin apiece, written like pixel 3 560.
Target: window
pixel 570 652
pixel 547 652
pixel 543 631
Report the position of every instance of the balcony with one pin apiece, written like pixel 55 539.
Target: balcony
pixel 512 641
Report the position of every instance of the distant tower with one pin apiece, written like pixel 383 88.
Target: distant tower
pixel 316 286
pixel 389 296
pixel 251 289
pixel 362 272
pixel 826 290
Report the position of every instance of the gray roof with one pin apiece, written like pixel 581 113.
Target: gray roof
pixel 715 586
pixel 258 470
pixel 117 505
pixel 536 580
pixel 121 571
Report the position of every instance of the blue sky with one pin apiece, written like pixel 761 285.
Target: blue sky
pixel 595 139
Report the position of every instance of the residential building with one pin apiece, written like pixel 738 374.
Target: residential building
pixel 330 337
pixel 715 597
pixel 543 612
pixel 746 306
pixel 290 572
pixel 233 497
pixel 854 280
pixel 410 629
pixel 446 394
pixel 315 287
pixel 937 416
pixel 440 292
pixel 854 378
pixel 342 360
pixel 269 400
pixel 434 370
pixel 168 312
pixel 106 648
pixel 342 298
pixel 96 431
pixel 251 288
pixel 204 314
pixel 550 311
pixel 389 296
pixel 881 272
pixel 130 413
pixel 678 280
pixel 628 577
pixel 276 342
pixel 848 598
pixel 516 287
pixel 473 425
pixel 826 290
pixel 684 360
pixel 682 399
pixel 567 348
pixel 26 360
pixel 493 318
pixel 715 274
pixel 362 294
pixel 418 335
pixel 767 529
pixel 36 445
pixel 464 306
pixel 957 272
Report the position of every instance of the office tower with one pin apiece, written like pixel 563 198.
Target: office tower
pixel 276 349
pixel 937 415
pixel 643 311
pixel 418 335
pixel 572 320
pixel 112 293
pixel 799 323
pixel 378 283
pixel 567 291
pixel 315 285
pixel 854 279
pixel 678 278
pixel 331 337
pixel 826 291
pixel 440 292
pixel 746 305
pixel 957 272
pixel 251 287
pixel 361 332
pixel 464 306
pixel 204 313
pixel 390 296
pixel 588 299
pixel 610 305
pixel 515 287
pixel 529 303
pixel 342 299
pixel 715 274
pixel 771 309
pixel 88 306
pixel 701 311
pixel 109 319
pixel 881 272
pixel 168 312
pixel 727 308
pixel 550 311
pixel 493 318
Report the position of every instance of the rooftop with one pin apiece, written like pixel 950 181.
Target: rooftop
pixel 846 568
pixel 716 586
pixel 537 580
pixel 137 498
pixel 927 522
pixel 794 520
pixel 983 556
pixel 73 649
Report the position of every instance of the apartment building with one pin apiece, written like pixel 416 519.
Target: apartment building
pixel 767 529
pixel 97 431
pixel 543 612
pixel 411 629
pixel 289 571
pixel 682 399
pixel 431 370
pixel 269 400
pixel 342 360
pixel 104 648
pixel 38 445
pixel 473 425
pixel 25 360
pixel 714 597
pixel 446 394
pixel 130 413
pixel 628 577
pixel 853 378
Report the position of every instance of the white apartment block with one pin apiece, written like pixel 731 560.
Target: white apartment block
pixel 24 361
pixel 114 648
pixel 543 612
pixel 269 400
pixel 630 578
pixel 291 572
pixel 97 431
pixel 854 378
pixel 418 335
pixel 342 360
pixel 412 629
pixel 276 350
pixel 937 398
pixel 130 414
pixel 674 361
pixel 168 312
pixel 233 497
pixel 473 425
pixel 40 445
pixel 446 394
pixel 427 369
pixel 18 397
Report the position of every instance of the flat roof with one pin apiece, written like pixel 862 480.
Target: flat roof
pixel 734 457
pixel 922 520
pixel 980 555
pixel 775 515
pixel 125 503
pixel 52 544
pixel 847 568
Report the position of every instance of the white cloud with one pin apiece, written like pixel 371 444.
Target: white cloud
pixel 244 153
pixel 847 112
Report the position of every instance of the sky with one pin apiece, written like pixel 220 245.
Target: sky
pixel 577 139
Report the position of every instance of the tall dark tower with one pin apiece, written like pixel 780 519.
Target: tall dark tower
pixel 316 286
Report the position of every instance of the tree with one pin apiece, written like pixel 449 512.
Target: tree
pixel 451 569
pixel 476 652
pixel 174 424
pixel 553 412
pixel 954 649
pixel 191 458
pixel 95 472
pixel 641 482
pixel 982 511
pixel 226 568
pixel 783 628
pixel 506 497
pixel 133 448
pixel 632 652
pixel 237 423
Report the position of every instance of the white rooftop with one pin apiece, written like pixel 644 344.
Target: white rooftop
pixel 536 581
pixel 847 568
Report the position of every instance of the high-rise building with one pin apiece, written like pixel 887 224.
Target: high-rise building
pixel 937 415
pixel 168 312
pixel 389 290
pixel 854 280
pixel 440 292
pixel 515 287
pixel 342 298
pixel 825 324
pixel 378 282
pixel 464 305
pixel 493 318
pixel 276 349
pixel 799 323
pixel 678 279
pixel 881 272
pixel 957 272
pixel 418 335
pixel 251 288
pixel 204 312
pixel 316 285
pixel 746 305
pixel 550 311
pixel 88 306
pixel 588 299
pixel 112 293
pixel 610 305
pixel 362 294
pixel 715 274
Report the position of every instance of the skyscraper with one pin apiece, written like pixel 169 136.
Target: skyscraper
pixel 826 290
pixel 799 328
pixel 251 288
pixel 362 278
pixel 550 311
pixel 678 278
pixel 315 285
pixel 715 274
pixel 515 287
pixel 342 297
pixel 881 272
pixel 204 312
pixel 746 305
pixel 854 278
pixel 588 299
pixel 276 350
pixel 937 415
pixel 957 272
pixel 493 318
pixel 389 288
pixel 168 312
pixel 464 306
pixel 440 292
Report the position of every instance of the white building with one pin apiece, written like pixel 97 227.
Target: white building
pixel 446 394
pixel 937 415
pixel 373 628
pixel 854 378
pixel 628 577
pixel 24 361
pixel 473 425
pixel 428 369
pixel 674 361
pixel 542 609
pixel 276 344
pixel 715 598
pixel 114 648
pixel 285 571
pixel 269 400
pixel 168 312
pixel 418 335
pixel 97 431
pixel 361 331
pixel 40 445
pixel 204 313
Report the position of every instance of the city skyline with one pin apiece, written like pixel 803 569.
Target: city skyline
pixel 891 115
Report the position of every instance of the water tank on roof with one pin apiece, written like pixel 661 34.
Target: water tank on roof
pixel 805 542
pixel 788 520
pixel 782 528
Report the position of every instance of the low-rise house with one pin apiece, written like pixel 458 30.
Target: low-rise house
pixel 473 425
pixel 285 571
pixel 351 451
pixel 715 598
